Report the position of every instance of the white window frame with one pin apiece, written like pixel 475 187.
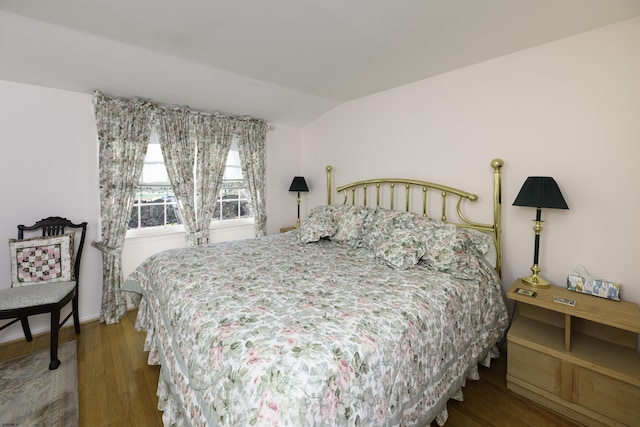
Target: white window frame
pixel 215 223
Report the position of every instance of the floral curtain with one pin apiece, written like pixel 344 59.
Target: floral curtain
pixel 251 148
pixel 124 128
pixel 213 136
pixel 178 144
pixel 195 141
pixel 186 137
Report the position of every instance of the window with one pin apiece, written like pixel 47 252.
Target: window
pixel 233 200
pixel 155 203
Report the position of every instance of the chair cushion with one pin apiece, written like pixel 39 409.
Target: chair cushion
pixel 30 296
pixel 41 259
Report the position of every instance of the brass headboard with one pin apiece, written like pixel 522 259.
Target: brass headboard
pixel 390 184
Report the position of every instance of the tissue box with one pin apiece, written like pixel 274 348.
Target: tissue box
pixel 600 288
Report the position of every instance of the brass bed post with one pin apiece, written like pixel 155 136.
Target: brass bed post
pixel 497 164
pixel 424 201
pixel 329 185
pixel 408 189
pixel 392 204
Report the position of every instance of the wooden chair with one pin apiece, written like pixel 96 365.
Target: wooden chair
pixel 45 276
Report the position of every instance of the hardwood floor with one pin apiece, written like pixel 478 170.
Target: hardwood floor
pixel 118 388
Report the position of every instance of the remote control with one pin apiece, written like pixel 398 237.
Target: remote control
pixel 564 301
pixel 526 292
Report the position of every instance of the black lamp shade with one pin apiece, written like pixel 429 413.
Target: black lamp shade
pixel 298 184
pixel 540 192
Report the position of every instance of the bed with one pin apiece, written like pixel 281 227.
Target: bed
pixel 365 315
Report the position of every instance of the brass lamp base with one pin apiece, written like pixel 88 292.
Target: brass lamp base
pixel 535 280
pixel 298 220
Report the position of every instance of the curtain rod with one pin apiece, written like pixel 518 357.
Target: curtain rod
pixel 245 118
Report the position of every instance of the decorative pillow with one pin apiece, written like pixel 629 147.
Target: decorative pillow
pixel 318 224
pixel 464 266
pixel 481 244
pixel 479 241
pixel 375 228
pixel 492 254
pixel 349 221
pixel 449 248
pixel 381 224
pixel 402 248
pixel 41 259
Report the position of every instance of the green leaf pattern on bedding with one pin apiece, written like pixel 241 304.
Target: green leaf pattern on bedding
pixel 272 331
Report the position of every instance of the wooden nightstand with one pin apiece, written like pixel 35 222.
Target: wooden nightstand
pixel 285 229
pixel 580 361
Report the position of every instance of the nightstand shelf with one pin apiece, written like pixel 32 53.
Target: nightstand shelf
pixel 581 361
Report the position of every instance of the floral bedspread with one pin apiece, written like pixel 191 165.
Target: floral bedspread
pixel 271 331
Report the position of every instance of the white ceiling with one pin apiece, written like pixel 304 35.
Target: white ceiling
pixel 287 61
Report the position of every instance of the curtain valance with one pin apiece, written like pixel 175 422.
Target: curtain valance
pixel 158 109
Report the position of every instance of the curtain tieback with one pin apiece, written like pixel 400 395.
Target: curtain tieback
pixel 198 237
pixel 109 250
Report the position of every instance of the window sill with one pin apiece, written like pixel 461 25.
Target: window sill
pixel 231 223
pixel 155 231
pixel 171 231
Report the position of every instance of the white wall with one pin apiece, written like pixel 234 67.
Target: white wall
pixel 568 109
pixel 283 163
pixel 49 166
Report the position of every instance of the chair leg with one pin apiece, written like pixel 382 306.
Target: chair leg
pixel 55 327
pixel 25 327
pixel 76 316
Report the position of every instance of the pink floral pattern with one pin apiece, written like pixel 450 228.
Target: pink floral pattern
pixel 124 128
pixel 454 250
pixel 41 259
pixel 310 334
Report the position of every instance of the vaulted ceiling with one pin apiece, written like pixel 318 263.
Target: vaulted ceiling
pixel 287 61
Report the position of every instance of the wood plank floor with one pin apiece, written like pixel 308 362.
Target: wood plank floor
pixel 118 388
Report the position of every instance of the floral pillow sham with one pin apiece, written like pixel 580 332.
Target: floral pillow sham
pixel 349 221
pixel 340 223
pixel 438 245
pixel 454 250
pixel 401 249
pixel 381 223
pixel 317 225
pixel 400 239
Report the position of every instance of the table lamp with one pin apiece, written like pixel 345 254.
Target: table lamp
pixel 539 192
pixel 298 184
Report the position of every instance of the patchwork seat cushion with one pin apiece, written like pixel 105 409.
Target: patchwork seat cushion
pixel 34 295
